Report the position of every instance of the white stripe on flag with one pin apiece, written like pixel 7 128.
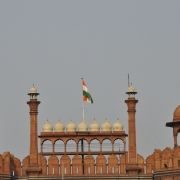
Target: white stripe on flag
pixel 85 88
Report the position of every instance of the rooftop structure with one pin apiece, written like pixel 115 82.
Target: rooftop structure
pixel 85 160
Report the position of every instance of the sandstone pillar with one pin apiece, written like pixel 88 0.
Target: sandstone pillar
pixel 132 167
pixel 33 103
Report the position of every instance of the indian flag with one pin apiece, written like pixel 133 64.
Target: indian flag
pixel 86 95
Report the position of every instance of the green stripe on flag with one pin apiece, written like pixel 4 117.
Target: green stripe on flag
pixel 88 95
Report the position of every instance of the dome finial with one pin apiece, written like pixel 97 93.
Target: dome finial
pixel 47 127
pixel 83 126
pixel 33 93
pixel 118 126
pixel 94 126
pixel 71 127
pixel 176 115
pixel 106 126
pixel 59 127
pixel 131 91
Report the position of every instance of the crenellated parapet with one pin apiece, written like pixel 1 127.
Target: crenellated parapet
pixel 66 165
pixel 9 165
pixel 164 163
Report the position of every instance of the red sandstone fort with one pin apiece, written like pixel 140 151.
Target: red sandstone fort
pixel 88 162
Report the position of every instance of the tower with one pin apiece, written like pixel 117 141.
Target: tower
pixel 33 103
pixel 175 124
pixel 132 167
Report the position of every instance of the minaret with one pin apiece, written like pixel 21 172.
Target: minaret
pixel 132 167
pixel 33 103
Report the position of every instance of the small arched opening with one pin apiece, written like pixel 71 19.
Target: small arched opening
pixel 82 145
pixel 47 146
pixel 59 146
pixel 165 166
pixel 119 145
pixel 106 145
pixel 95 145
pixel 70 146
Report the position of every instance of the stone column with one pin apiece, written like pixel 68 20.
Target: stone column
pixel 101 147
pixel 33 103
pixel 132 167
pixel 131 103
pixel 175 140
pixel 112 146
pixel 53 147
pixel 88 147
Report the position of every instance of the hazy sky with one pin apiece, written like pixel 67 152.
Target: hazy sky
pixel 53 44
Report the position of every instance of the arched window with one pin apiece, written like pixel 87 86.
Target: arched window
pixel 47 146
pixel 59 146
pixel 106 145
pixel 71 146
pixel 82 145
pixel 94 145
pixel 118 145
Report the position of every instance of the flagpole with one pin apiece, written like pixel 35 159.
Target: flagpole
pixel 83 111
pixel 82 103
pixel 82 144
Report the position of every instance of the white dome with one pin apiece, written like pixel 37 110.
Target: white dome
pixel 83 126
pixel 59 127
pixel 47 127
pixel 33 89
pixel 118 126
pixel 94 126
pixel 71 127
pixel 106 126
pixel 131 88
